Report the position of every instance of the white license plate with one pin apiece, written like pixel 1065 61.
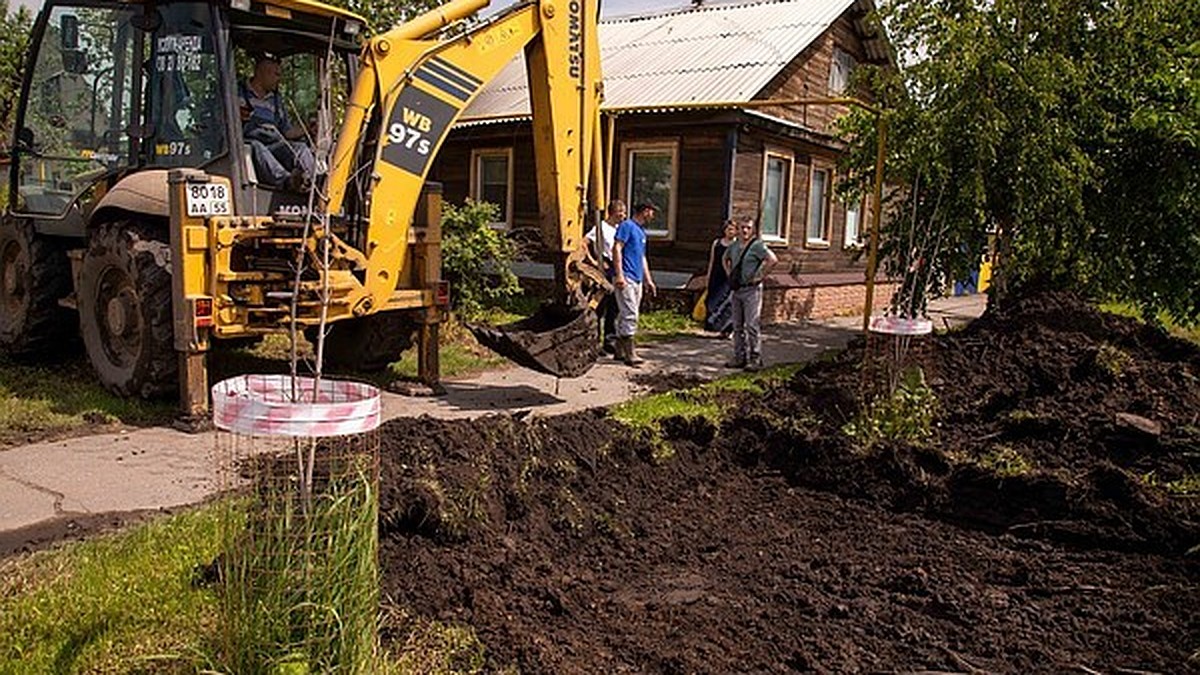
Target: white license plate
pixel 208 199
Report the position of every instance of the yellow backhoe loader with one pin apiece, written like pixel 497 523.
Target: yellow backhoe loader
pixel 146 216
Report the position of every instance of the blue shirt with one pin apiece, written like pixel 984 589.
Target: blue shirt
pixel 633 249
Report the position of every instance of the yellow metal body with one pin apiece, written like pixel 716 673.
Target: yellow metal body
pixel 419 85
pixel 412 84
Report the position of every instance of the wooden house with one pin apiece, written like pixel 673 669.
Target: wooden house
pixel 687 95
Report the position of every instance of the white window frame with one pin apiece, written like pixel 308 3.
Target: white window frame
pixel 661 228
pixel 809 240
pixel 479 155
pixel 785 206
pixel 861 205
pixel 841 67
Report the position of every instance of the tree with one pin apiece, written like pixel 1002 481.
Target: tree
pixel 476 258
pixel 381 16
pixel 14 43
pixel 1066 127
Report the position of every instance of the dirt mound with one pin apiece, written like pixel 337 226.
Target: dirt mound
pixel 1037 530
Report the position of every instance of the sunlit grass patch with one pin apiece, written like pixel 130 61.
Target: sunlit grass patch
pixel 646 412
pixel 118 603
pixel 1005 462
pixel 44 400
pixel 1189 333
pixel 752 383
pixel 664 324
pixel 455 360
pixel 431 646
pixel 1186 485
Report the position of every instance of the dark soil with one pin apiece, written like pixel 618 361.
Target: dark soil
pixel 774 543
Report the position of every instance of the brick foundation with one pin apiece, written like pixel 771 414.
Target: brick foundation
pixel 793 303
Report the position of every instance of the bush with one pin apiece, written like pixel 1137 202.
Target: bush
pixel 904 416
pixel 476 259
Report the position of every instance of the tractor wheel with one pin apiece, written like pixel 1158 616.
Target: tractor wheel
pixel 366 344
pixel 34 275
pixel 125 310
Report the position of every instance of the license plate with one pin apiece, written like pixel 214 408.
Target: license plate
pixel 208 199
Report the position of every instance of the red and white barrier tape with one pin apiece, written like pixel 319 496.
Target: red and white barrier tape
pixel 274 405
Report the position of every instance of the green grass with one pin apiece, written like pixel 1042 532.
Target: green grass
pixel 1189 484
pixel 38 401
pixel 705 400
pixel 1191 334
pixel 127 603
pixel 665 324
pixel 1005 462
pixel 456 360
pixel 644 413
pixel 120 603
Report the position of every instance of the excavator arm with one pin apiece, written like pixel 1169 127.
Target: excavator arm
pixel 417 82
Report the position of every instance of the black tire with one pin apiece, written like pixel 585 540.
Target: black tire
pixel 366 344
pixel 125 310
pixel 34 275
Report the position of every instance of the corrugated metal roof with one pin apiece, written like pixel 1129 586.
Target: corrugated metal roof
pixel 704 54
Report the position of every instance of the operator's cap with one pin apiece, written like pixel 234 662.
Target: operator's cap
pixel 266 56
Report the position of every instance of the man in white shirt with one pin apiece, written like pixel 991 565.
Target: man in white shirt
pixel 607 309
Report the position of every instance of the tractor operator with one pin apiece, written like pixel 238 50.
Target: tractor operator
pixel 281 157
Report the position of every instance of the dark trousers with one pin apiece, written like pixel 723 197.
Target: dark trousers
pixel 607 311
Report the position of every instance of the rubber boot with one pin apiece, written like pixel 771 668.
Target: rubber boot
pixel 631 357
pixel 619 349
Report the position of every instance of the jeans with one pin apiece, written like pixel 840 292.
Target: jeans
pixel 747 314
pixel 275 162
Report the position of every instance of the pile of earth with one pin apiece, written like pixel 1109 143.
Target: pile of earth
pixel 1048 525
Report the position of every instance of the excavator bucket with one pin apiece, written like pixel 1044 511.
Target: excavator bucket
pixel 560 340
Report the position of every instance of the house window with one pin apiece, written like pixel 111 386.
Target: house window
pixel 776 196
pixel 854 211
pixel 651 174
pixel 818 207
pixel 839 71
pixel 491 181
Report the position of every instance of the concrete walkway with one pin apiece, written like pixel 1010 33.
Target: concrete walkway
pixel 158 468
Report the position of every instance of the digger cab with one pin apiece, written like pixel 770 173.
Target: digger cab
pixel 115 88
pixel 116 94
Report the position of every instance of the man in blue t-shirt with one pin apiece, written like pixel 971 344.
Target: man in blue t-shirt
pixel 279 151
pixel 747 262
pixel 632 271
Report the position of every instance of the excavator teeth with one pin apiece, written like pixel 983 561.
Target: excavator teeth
pixel 560 340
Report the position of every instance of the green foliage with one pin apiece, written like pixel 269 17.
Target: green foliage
pixel 124 603
pixel 1113 360
pixel 14 43
pixel 382 16
pixel 1191 334
pixel 905 416
pixel 1068 128
pixel 1005 462
pixel 476 258
pixel 1189 484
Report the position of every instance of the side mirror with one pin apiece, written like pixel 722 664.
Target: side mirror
pixel 68 32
